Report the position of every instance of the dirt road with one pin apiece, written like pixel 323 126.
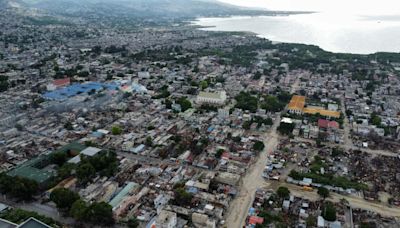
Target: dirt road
pixel 253 180
pixel 355 202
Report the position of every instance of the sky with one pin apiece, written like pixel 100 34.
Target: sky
pixel 361 7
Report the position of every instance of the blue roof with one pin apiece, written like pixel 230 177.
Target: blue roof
pixel 97 134
pixel 210 129
pixel 193 190
pixel 75 89
pixel 252 211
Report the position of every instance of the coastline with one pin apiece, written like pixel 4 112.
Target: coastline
pixel 339 40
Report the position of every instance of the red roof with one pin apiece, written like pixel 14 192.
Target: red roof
pixel 226 155
pixel 322 123
pixel 62 82
pixel 333 124
pixel 256 220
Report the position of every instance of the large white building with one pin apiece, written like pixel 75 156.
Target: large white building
pixel 216 98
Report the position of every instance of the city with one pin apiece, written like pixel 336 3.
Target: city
pixel 168 125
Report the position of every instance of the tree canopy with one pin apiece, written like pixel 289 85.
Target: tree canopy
pixel 329 212
pixel 246 101
pixel 116 130
pixel 63 198
pixel 323 192
pixel 182 197
pixel 21 188
pixel 258 146
pixel 283 192
pixel 184 103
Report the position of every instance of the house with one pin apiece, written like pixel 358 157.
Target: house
pixel 202 221
pixel 326 124
pixel 166 219
pixel 254 220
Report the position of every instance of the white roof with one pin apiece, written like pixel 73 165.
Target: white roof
pixel 286 120
pixel 75 160
pixel 321 222
pixel 90 151
pixel 103 131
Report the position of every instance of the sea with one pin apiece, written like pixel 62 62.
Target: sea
pixel 343 33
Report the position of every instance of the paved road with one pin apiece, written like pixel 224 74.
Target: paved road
pixel 42 209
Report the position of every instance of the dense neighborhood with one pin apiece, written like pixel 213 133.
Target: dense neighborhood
pixel 172 126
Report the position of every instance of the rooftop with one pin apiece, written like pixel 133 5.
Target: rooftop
pixel 322 111
pixel 216 95
pixel 30 171
pixel 76 89
pixel 297 102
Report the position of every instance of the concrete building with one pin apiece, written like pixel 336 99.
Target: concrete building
pixel 296 104
pixel 166 219
pixel 90 152
pixel 217 98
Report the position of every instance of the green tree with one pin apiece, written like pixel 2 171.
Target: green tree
pixel 219 153
pixel 20 188
pixel 63 198
pixel 58 158
pixel 65 170
pixel 329 212
pixel 257 75
pixel 246 125
pixel 78 210
pixel 286 128
pixel 133 222
pixel 68 126
pixel 375 119
pixel 182 197
pixel 100 213
pixel 258 146
pixel 203 85
pixel 116 130
pixel 323 192
pixel 283 192
pixel 246 101
pixel 149 141
pixel 184 103
pixel 272 104
pixel 85 172
pixel 311 221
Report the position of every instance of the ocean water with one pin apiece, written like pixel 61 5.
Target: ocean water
pixel 332 32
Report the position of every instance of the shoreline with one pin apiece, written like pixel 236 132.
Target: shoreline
pixel 199 23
